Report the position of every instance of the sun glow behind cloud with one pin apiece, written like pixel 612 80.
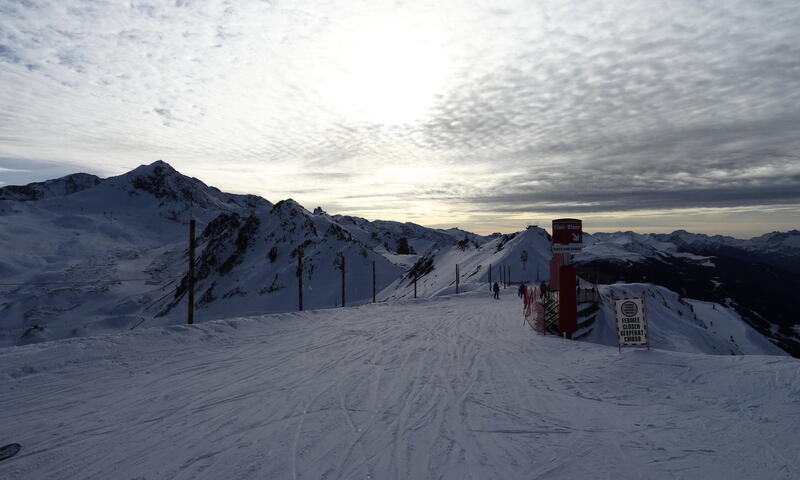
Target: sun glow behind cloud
pixel 386 73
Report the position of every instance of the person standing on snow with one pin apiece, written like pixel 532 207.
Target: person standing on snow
pixel 521 290
pixel 496 289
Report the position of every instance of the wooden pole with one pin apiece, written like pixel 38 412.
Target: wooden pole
pixel 456 279
pixel 490 276
pixel 190 311
pixel 415 287
pixel 373 281
pixel 300 280
pixel 343 280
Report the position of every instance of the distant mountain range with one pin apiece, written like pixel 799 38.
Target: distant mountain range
pixel 83 255
pixel 758 277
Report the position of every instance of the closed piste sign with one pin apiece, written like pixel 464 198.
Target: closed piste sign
pixel 631 322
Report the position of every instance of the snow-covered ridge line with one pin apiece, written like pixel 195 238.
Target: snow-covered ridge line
pixel 89 243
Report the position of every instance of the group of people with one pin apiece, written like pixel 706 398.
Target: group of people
pixel 520 291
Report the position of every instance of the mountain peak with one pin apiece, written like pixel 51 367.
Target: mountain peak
pixel 179 192
pixel 288 204
pixel 159 168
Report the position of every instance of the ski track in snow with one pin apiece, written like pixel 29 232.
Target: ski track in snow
pixel 452 387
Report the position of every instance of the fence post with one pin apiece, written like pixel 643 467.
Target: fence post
pixel 190 311
pixel 373 281
pixel 300 278
pixel 342 280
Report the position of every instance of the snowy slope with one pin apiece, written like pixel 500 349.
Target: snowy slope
pixel 758 277
pixel 453 387
pixel 680 324
pixel 247 264
pixel 97 258
pixel 436 271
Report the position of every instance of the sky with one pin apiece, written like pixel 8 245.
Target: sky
pixel 631 115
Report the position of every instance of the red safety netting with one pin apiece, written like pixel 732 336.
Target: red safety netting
pixel 533 308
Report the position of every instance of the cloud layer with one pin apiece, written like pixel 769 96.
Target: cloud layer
pixel 482 115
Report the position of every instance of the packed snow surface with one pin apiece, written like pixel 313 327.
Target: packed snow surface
pixel 449 387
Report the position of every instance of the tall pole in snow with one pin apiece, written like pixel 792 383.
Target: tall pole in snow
pixel 415 286
pixel 300 278
pixel 342 280
pixel 490 276
pixel 456 279
pixel 373 281
pixel 190 311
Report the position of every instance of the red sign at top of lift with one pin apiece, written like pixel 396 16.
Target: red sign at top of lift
pixel 567 232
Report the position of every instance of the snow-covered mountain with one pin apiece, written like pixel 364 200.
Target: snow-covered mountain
pixel 778 249
pixel 83 255
pixel 754 277
pixel 113 254
pixel 82 260
pixel 402 238
pixel 632 247
pixel 51 188
pixel 249 263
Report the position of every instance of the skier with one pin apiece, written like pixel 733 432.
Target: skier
pixel 496 289
pixel 521 290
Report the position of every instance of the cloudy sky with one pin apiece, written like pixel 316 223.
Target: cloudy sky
pixel 631 114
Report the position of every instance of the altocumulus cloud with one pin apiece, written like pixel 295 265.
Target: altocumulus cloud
pixel 509 110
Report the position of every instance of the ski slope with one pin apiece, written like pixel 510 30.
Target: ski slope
pixel 449 387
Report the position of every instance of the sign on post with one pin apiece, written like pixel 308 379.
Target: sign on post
pixel 567 235
pixel 631 322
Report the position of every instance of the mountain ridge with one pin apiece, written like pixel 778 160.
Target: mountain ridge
pixel 113 255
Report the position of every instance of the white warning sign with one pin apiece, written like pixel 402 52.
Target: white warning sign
pixel 631 322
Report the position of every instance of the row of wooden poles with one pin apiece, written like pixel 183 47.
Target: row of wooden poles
pixel 299 254
pixel 505 274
